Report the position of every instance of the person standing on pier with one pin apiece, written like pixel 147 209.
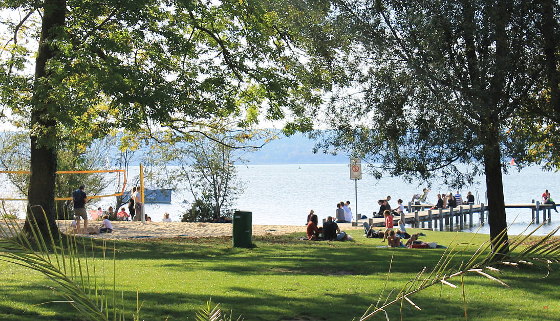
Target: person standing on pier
pixel 470 198
pixel 451 201
pixel 458 199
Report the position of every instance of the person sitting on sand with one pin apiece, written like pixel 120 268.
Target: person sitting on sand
pixel 312 230
pixel 122 215
pixel 166 218
pixel 340 213
pixel 106 226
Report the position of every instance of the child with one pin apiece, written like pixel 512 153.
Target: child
pixel 166 217
pixel 106 226
pixel 122 215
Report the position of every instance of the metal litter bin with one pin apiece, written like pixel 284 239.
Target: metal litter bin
pixel 242 229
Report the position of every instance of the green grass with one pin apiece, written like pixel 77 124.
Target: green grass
pixel 284 278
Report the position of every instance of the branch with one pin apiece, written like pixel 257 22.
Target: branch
pixel 227 55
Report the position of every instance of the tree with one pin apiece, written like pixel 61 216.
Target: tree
pixel 438 90
pixel 212 176
pixel 142 65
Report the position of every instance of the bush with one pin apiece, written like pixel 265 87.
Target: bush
pixel 200 212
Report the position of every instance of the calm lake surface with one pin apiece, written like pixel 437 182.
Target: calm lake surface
pixel 284 194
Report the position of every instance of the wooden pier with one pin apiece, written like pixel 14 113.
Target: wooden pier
pixel 460 217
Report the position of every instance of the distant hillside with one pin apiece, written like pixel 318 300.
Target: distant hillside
pixel 296 149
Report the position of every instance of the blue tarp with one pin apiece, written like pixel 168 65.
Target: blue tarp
pixel 152 196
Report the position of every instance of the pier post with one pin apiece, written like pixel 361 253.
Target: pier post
pixel 451 219
pixel 544 210
pixel 416 220
pixel 549 215
pixel 457 218
pixel 461 219
pixel 532 213
pixel 470 216
pixel 441 220
pixel 410 207
pixel 537 206
pixel 430 219
pixel 481 213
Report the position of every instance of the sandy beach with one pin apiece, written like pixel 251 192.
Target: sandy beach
pixel 139 230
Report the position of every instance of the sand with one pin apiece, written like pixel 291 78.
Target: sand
pixel 139 230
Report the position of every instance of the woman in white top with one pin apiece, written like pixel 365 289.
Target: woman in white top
pixel 400 207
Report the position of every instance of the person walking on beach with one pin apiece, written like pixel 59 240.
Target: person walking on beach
pixel 79 199
pixel 131 206
pixel 138 206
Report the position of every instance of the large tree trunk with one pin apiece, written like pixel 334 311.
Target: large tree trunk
pixel 495 190
pixel 549 29
pixel 43 126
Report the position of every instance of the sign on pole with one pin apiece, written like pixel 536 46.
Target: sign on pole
pixel 355 168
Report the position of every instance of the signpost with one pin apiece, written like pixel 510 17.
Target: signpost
pixel 356 174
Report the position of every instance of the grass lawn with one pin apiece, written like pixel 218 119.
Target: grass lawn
pixel 284 278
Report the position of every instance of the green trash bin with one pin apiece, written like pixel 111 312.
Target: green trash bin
pixel 242 229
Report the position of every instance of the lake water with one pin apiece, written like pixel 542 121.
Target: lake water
pixel 284 194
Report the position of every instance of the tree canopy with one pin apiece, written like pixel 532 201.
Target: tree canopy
pixel 446 88
pixel 73 71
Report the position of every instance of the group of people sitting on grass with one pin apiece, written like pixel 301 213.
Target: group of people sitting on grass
pixel 394 237
pixel 328 232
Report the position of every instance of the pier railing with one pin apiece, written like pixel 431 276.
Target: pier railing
pixel 460 217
